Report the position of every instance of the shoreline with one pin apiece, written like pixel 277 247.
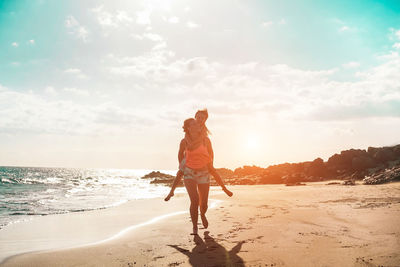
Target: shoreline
pixel 331 225
pixel 51 227
pixel 22 230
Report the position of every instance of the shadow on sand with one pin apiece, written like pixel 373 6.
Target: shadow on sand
pixel 210 253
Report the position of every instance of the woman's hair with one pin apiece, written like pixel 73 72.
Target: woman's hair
pixel 186 124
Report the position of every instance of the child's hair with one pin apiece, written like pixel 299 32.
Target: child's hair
pixel 205 130
pixel 203 111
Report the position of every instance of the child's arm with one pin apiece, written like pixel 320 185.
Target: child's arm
pixel 181 152
pixel 175 183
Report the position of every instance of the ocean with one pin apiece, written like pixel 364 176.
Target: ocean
pixel 26 192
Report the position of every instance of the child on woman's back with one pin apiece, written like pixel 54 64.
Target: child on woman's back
pixel 201 117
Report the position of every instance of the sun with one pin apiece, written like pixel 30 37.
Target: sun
pixel 252 142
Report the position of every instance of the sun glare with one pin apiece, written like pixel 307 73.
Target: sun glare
pixel 252 142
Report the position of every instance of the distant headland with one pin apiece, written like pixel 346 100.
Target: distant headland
pixel 374 165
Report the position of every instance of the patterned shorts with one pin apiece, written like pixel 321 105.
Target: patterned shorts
pixel 199 176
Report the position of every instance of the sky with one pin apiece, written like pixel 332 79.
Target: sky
pixel 108 84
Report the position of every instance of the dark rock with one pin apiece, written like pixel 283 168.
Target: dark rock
pixel 384 154
pixel 358 175
pixel 160 178
pixel 372 150
pixel 317 168
pixel 362 162
pixel 396 151
pixel 248 170
pixel 349 182
pixel 157 174
pixel 344 160
pixel 294 178
pixel 294 184
pixel 224 173
pixel 385 176
pixel 350 165
pixel 271 178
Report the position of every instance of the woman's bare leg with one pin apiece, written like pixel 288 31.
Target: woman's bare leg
pixel 203 194
pixel 191 188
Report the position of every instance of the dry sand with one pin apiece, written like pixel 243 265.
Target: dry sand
pixel 268 225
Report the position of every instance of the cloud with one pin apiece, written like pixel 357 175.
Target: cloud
pixel 77 72
pixel 76 29
pixel 160 46
pixel 107 19
pixel 50 90
pixel 153 37
pixel 344 29
pixel 32 42
pixel 30 113
pixel 340 112
pixel 71 22
pixel 192 25
pixel 141 66
pixel 342 26
pixel 267 24
pixel 15 44
pixel 277 90
pixel 173 20
pixel 76 91
pixel 74 71
pixel 396 45
pixel 397 33
pixel 351 65
pixel 143 17
pixel 247 90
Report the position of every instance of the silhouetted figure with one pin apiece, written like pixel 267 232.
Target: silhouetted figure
pixel 210 253
pixel 200 117
pixel 195 158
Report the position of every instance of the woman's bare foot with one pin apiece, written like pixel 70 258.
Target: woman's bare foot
pixel 169 196
pixel 229 193
pixel 195 230
pixel 204 220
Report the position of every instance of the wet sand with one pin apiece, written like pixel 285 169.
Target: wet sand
pixel 265 225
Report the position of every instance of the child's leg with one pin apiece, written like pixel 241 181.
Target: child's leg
pixel 218 179
pixel 175 183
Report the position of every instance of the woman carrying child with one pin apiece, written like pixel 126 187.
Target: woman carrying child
pixel 196 163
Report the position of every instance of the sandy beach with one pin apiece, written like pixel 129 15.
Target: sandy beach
pixel 263 225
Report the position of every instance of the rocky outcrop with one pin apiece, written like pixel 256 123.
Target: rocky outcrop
pixel 374 165
pixel 385 176
pixel 160 178
pixel 157 174
pixel 248 170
